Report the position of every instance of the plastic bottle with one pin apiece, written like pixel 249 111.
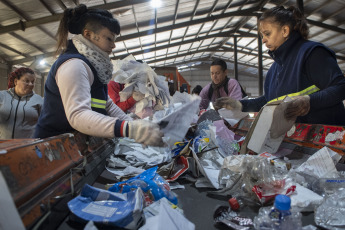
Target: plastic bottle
pixel 327 186
pixel 279 217
pixel 282 205
pixel 237 203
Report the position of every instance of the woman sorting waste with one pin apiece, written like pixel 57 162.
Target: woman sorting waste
pixel 304 70
pixel 19 105
pixel 76 94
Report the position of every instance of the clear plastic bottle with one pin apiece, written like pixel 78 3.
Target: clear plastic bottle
pixel 279 217
pixel 327 186
pixel 282 205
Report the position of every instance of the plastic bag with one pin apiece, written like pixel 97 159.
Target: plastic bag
pixel 152 184
pixel 108 208
pixel 140 77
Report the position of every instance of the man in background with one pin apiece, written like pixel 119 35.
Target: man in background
pixel 221 85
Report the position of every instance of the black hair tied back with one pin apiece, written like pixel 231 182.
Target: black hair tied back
pixel 300 22
pixel 76 19
pixel 291 16
pixel 80 18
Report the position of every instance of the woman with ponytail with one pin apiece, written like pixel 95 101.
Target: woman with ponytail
pixel 76 93
pixel 20 107
pixel 304 70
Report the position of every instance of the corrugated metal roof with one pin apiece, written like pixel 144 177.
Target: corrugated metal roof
pixel 178 33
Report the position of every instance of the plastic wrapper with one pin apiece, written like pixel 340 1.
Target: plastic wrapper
pixel 140 77
pixel 130 153
pixel 151 183
pixel 227 148
pixel 328 186
pixel 203 128
pixel 179 147
pixel 225 139
pixel 199 144
pixel 224 215
pixel 330 214
pixel 209 163
pixel 180 166
pixel 175 125
pixel 108 208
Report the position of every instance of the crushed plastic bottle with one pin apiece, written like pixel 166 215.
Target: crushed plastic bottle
pixel 327 186
pixel 279 217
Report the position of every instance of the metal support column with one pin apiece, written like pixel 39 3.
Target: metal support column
pixel 235 58
pixel 300 5
pixel 260 67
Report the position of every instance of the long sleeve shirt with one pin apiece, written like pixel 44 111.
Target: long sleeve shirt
pixel 114 88
pixel 234 91
pixel 74 79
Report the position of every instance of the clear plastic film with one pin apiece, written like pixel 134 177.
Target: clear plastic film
pixel 330 214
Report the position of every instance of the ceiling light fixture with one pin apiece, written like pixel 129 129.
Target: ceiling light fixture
pixel 42 62
pixel 156 3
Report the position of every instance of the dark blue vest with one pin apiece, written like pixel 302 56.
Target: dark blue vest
pixel 53 120
pixel 287 75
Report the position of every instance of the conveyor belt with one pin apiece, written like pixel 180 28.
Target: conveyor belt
pixel 43 175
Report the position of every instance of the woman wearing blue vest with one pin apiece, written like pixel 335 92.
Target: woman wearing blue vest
pixel 76 93
pixel 305 70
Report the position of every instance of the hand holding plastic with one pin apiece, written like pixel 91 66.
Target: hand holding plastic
pixel 145 132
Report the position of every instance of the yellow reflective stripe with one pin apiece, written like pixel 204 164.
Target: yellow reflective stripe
pixel 307 91
pixel 97 103
pixel 98 106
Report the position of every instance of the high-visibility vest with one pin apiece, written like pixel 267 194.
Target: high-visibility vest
pixel 310 90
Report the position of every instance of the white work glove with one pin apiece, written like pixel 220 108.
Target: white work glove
pixel 137 96
pixel 145 132
pixel 227 103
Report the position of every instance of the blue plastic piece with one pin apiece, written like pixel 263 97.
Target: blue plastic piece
pixel 150 182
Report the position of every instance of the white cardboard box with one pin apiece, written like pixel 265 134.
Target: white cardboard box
pixel 270 122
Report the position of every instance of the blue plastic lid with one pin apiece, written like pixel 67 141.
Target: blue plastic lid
pixel 282 202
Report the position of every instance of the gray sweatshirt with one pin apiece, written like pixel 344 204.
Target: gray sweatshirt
pixel 18 115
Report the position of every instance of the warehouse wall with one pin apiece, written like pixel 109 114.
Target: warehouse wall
pixel 3 76
pixel 197 75
pixel 200 75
